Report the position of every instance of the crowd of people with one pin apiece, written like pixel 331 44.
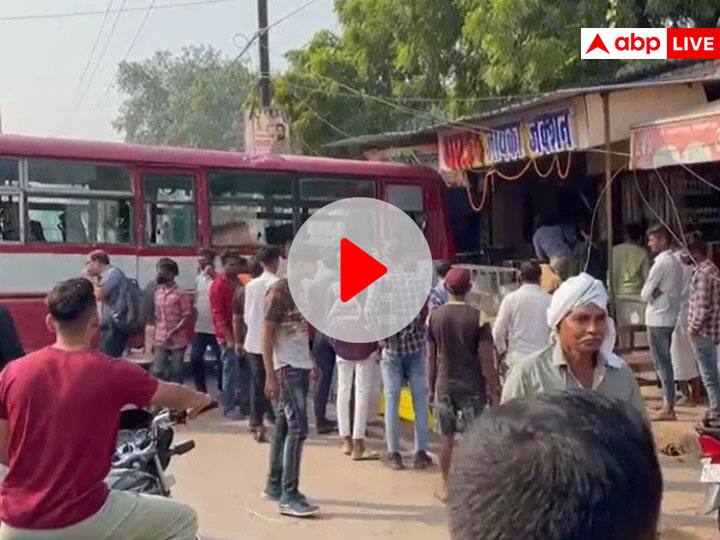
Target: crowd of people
pixel 565 409
pixel 675 279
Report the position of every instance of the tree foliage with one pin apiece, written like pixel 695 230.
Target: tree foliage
pixel 433 59
pixel 394 65
pixel 195 99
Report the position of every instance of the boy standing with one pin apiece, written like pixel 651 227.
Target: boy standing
pixel 461 366
pixel 173 312
pixel 286 355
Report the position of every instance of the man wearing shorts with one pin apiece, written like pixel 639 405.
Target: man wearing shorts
pixel 461 366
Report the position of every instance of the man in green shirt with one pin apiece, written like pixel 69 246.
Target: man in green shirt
pixel 582 355
pixel 630 263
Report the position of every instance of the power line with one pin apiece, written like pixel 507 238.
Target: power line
pixel 139 31
pixel 327 122
pixel 102 12
pixel 261 31
pixel 426 100
pixel 94 47
pixel 105 49
pixel 134 41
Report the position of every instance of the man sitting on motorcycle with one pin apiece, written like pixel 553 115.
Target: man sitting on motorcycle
pixel 59 410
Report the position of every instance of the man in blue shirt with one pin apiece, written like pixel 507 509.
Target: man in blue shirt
pixel 551 245
pixel 108 282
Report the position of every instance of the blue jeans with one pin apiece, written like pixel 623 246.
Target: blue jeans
pixel 260 405
pixel 325 356
pixel 291 430
pixel 706 354
pixel 659 340
pixel 197 359
pixel 396 368
pixel 235 371
pixel 168 364
pixel 112 341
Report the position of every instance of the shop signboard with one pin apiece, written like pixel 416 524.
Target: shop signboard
pixel 545 133
pixel 461 150
pixel 686 141
pixel 550 133
pixel 505 143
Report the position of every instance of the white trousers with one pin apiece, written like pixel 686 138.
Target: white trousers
pixel 364 374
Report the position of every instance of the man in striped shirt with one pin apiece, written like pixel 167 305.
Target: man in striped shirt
pixel 704 319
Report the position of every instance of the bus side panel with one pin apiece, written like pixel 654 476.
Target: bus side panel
pixel 26 279
pixel 29 317
pixel 37 273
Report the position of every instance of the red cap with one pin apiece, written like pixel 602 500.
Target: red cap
pixel 457 281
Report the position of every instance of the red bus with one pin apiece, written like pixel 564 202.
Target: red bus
pixel 61 198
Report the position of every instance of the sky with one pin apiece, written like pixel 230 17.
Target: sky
pixel 42 60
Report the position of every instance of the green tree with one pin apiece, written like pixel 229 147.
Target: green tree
pixel 408 55
pixel 316 91
pixel 533 45
pixel 433 59
pixel 195 99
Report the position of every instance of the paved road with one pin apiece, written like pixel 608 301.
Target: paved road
pixel 224 476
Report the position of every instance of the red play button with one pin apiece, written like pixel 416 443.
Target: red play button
pixel 358 270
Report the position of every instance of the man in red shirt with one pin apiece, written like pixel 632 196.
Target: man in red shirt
pixel 59 410
pixel 173 313
pixel 222 294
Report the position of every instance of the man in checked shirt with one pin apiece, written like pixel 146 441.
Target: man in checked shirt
pixel 403 355
pixel 704 319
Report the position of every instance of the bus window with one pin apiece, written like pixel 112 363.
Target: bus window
pixel 316 192
pixel 409 199
pixel 50 175
pixel 169 209
pixel 334 189
pixel 78 221
pixel 9 200
pixel 78 202
pixel 9 218
pixel 250 185
pixel 9 172
pixel 249 208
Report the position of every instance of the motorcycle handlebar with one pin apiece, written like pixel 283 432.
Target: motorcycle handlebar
pixel 180 417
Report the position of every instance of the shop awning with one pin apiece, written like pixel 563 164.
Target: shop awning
pixel 691 137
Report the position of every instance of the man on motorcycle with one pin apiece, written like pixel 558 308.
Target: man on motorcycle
pixel 59 410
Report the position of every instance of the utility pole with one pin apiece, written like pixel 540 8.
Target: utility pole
pixel 265 91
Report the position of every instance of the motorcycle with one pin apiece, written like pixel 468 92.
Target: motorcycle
pixel 144 450
pixel 709 438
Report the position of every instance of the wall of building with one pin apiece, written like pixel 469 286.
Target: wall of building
pixel 630 107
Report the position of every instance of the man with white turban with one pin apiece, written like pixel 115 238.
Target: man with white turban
pixel 582 354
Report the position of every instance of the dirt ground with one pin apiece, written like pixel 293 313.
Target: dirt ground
pixel 223 478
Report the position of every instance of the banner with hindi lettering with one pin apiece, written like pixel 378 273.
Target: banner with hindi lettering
pixel 550 133
pixel 546 133
pixel 505 143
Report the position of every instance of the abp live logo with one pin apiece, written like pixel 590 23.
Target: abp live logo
pixel 650 43
pixel 623 43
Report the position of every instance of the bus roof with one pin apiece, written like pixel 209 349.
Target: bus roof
pixel 25 146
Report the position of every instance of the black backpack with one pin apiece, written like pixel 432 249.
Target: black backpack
pixel 128 311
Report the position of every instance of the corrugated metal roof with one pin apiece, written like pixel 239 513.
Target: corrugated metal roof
pixel 417 136
pixel 692 73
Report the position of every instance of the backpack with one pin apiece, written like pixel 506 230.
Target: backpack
pixel 128 311
pixel 344 318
